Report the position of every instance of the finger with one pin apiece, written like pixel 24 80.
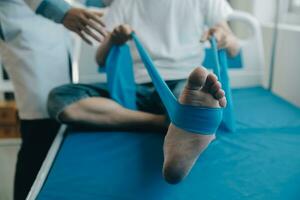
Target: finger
pixel 207 35
pixel 219 94
pixel 222 44
pixel 113 34
pixel 212 32
pixel 220 37
pixel 94 17
pixel 119 32
pixel 215 88
pixel 127 30
pixel 221 40
pixel 90 33
pixel 84 37
pixel 98 13
pixel 223 102
pixel 101 30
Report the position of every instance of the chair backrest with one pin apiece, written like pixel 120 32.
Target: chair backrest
pixel 252 54
pixel 250 74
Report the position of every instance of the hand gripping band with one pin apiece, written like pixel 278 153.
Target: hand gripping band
pixel 119 68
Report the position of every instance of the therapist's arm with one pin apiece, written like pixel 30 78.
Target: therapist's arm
pixel 75 19
pixel 119 36
pixel 225 38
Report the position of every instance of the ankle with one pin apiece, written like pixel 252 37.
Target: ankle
pixel 161 121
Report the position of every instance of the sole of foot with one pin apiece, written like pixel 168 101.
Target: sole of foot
pixel 182 148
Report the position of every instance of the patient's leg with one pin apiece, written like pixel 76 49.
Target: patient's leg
pixel 105 113
pixel 181 148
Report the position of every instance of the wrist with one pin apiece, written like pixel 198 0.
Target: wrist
pixel 233 45
pixel 103 50
pixel 54 9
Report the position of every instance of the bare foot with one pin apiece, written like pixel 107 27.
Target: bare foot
pixel 182 148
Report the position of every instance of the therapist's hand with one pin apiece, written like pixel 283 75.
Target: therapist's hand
pixel 224 37
pixel 121 34
pixel 84 22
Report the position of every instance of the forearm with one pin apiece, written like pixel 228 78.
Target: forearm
pixel 103 50
pixel 53 9
pixel 234 46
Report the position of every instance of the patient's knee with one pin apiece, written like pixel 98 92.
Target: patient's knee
pixel 58 105
pixel 69 114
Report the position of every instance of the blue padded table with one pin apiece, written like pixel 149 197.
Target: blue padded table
pixel 260 161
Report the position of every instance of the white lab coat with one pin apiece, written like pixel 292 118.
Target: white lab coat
pixel 35 55
pixel 33 4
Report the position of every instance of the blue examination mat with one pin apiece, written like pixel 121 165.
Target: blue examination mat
pixel 260 161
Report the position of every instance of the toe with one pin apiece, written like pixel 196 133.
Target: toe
pixel 215 88
pixel 219 94
pixel 223 102
pixel 210 81
pixel 197 78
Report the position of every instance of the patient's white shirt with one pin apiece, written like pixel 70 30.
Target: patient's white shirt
pixel 170 30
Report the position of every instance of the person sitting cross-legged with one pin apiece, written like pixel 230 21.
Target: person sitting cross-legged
pixel 170 30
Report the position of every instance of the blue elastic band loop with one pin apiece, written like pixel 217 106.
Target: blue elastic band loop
pixel 220 68
pixel 120 76
pixel 190 118
pixel 228 122
pixel 216 66
pixel 201 120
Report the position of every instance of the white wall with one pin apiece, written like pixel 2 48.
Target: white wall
pixel 287 64
pixel 286 82
pixel 88 68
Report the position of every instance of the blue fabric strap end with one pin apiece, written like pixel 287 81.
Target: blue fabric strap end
pixel 220 68
pixel 122 88
pixel 120 76
pixel 228 122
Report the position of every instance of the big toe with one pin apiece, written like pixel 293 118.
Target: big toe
pixel 197 78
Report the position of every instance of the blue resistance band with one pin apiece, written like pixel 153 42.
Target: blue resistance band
pixel 120 76
pixel 119 68
pixel 220 68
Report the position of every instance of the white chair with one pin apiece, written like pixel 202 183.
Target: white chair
pixel 252 54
